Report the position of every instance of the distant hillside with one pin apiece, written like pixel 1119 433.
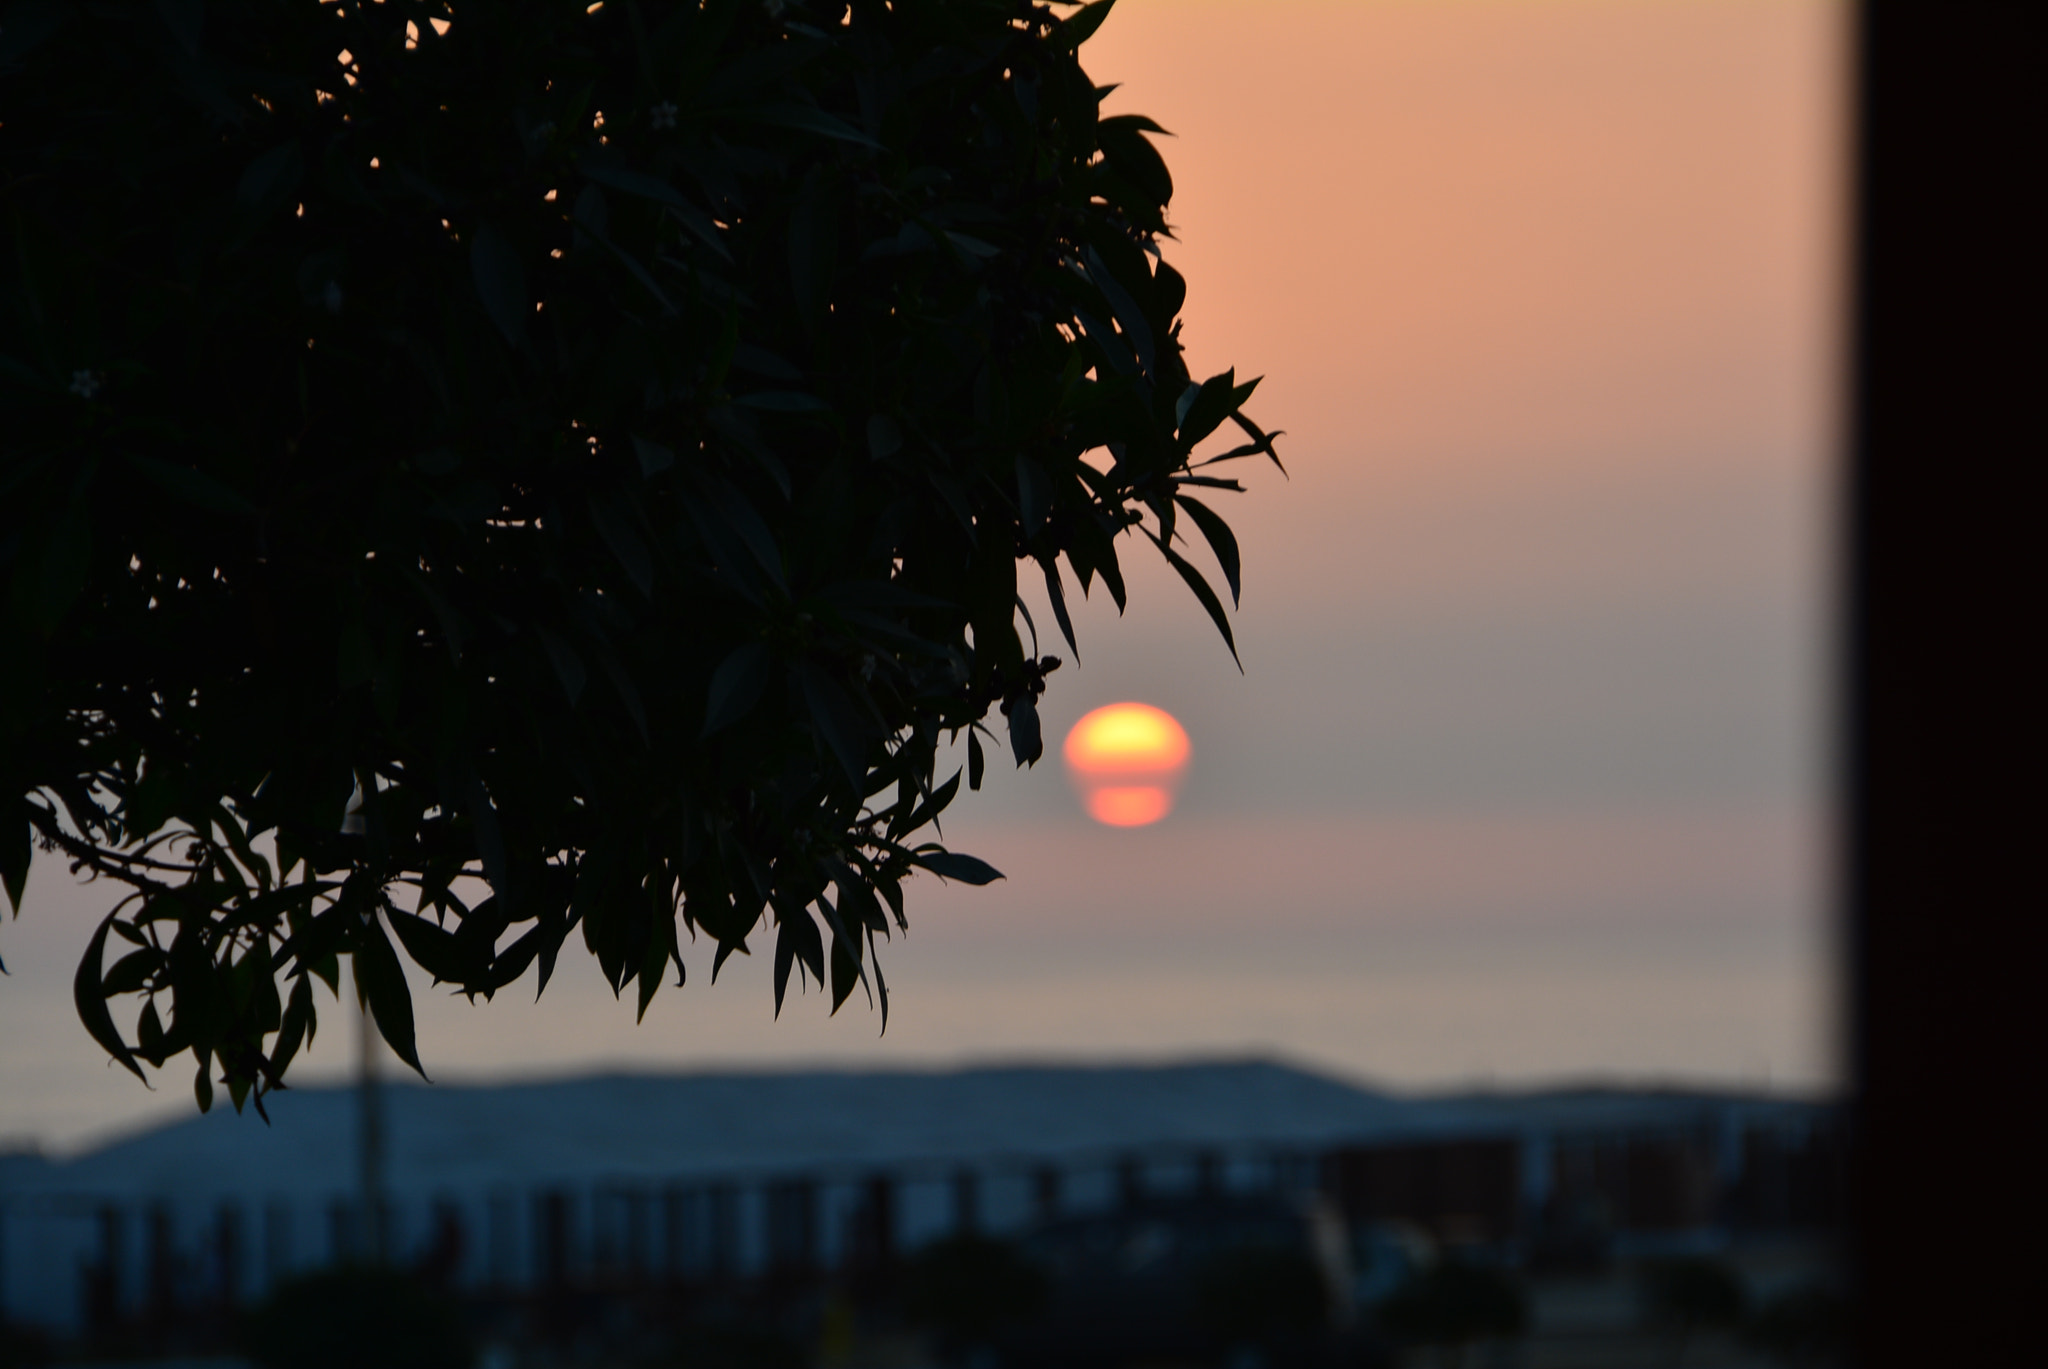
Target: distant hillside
pixel 753 1124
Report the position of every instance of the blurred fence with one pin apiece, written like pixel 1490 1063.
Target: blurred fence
pixel 70 1261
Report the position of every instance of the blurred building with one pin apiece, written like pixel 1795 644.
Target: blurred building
pixel 629 1181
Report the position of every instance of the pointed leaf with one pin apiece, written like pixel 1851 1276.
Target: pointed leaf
pixel 954 865
pixel 1221 540
pixel 91 1000
pixel 293 1030
pixel 384 988
pixel 194 487
pixel 1027 738
pixel 1124 304
pixel 836 720
pixel 654 458
pixel 568 665
pixel 268 181
pixel 735 686
pixel 804 119
pixel 1057 592
pixel 1076 28
pixel 627 546
pixel 500 280
pixel 1202 591
pixel 881 984
pixel 1205 408
pixel 17 845
pixel 433 948
pixel 654 959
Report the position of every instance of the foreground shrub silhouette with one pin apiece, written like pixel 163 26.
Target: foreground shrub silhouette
pixel 1806 1325
pixel 1688 1296
pixel 1257 1293
pixel 356 1319
pixel 1454 1303
pixel 968 1288
pixel 476 473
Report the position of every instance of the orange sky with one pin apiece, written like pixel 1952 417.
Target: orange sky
pixel 1524 774
pixel 1492 254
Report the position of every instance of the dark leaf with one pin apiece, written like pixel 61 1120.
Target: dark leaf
pixel 1057 593
pixel 1207 596
pixel 608 515
pixel 1203 409
pixel 568 665
pixel 293 1030
pixel 268 182
pixel 836 720
pixel 1027 741
pixel 634 183
pixel 954 865
pixel 384 988
pixel 67 561
pixel 1135 160
pixel 784 402
pixel 929 810
pixel 736 686
pixel 186 20
pixel 131 972
pixel 500 280
pixel 654 458
pixel 804 118
pixel 797 941
pixel 17 845
pixel 91 1001
pixel 1221 540
pixel 654 958
pixel 885 439
pixel 1077 27
pixel 1118 288
pixel 1033 502
pixel 434 949
pixel 194 487
pixel 881 984
pixel 28 24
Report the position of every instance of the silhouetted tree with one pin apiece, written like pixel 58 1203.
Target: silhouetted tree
pixel 588 449
pixel 1256 1294
pixel 968 1288
pixel 357 1318
pixel 1805 1325
pixel 1691 1295
pixel 1454 1303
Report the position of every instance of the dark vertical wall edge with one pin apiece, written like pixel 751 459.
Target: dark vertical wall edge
pixel 1943 782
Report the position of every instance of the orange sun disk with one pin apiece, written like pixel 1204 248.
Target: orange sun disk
pixel 1127 759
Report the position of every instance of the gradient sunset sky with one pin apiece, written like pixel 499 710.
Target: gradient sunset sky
pixel 1525 775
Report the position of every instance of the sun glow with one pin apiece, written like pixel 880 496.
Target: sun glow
pixel 1127 759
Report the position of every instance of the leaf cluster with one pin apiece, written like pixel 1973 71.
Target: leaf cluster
pixel 477 474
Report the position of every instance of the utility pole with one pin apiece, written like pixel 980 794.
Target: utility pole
pixel 370 1139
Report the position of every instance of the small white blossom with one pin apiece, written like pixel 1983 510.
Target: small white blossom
pixel 331 297
pixel 662 115
pixel 86 384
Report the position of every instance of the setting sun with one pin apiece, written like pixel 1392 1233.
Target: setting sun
pixel 1127 759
